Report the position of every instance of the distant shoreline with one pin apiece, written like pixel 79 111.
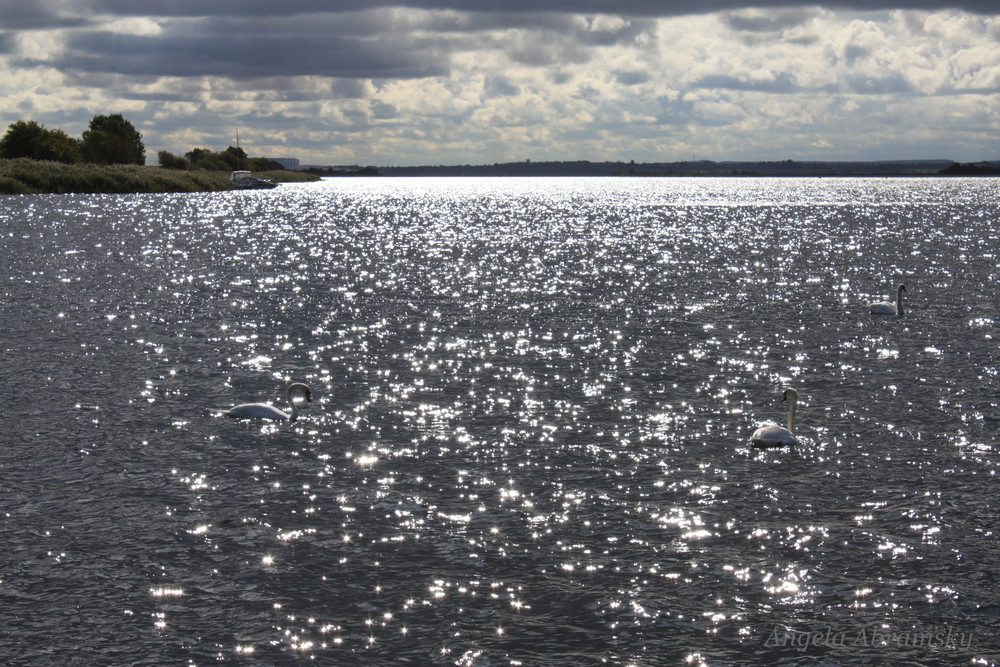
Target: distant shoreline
pixel 24 176
pixel 789 168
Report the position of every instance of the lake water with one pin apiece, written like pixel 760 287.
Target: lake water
pixel 529 435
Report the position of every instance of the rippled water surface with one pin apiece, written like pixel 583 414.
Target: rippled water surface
pixel 529 435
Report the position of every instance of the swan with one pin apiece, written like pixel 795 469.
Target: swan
pixel 774 435
pixel 266 411
pixel 887 307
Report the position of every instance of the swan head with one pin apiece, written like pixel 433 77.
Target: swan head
pixel 901 288
pixel 790 395
pixel 298 388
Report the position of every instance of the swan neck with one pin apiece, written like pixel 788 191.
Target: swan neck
pixel 793 403
pixel 290 392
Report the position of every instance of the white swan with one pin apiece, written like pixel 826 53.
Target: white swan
pixel 266 411
pixel 887 307
pixel 774 435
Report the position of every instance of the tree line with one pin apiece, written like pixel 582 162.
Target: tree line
pixel 229 159
pixel 110 139
pixel 113 140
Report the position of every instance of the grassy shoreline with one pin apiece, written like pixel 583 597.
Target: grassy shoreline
pixel 24 176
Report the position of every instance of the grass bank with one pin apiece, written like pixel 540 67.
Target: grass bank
pixel 23 176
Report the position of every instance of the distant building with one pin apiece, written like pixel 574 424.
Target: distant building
pixel 289 163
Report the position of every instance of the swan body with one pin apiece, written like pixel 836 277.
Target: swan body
pixel 887 307
pixel 776 436
pixel 267 411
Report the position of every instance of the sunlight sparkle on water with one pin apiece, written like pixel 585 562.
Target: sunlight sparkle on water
pixel 529 439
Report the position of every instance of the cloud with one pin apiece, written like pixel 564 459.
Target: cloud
pixel 240 48
pixel 767 21
pixel 38 15
pixel 632 78
pixel 461 81
pixel 49 14
pixel 8 43
pixel 781 83
pixel 499 86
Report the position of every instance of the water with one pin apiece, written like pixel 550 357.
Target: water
pixel 529 435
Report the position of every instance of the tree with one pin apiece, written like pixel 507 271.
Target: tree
pixel 231 158
pixel 196 155
pixel 112 140
pixel 168 160
pixel 23 139
pixel 62 147
pixel 203 158
pixel 264 164
pixel 31 140
pixel 236 158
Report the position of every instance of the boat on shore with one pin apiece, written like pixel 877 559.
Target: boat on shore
pixel 244 180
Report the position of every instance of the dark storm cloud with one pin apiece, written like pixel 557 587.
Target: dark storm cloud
pixel 646 8
pixel 20 15
pixel 774 21
pixel 50 14
pixel 657 8
pixel 375 45
pixel 241 50
pixel 262 38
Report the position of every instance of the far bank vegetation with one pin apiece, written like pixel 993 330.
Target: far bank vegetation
pixel 27 176
pixel 108 140
pixel 110 158
pixel 205 159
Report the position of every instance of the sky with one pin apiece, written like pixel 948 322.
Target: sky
pixel 429 82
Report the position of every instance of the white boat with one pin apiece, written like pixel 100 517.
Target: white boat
pixel 244 180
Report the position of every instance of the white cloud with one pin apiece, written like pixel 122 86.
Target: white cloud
pixel 135 26
pixel 39 46
pixel 398 85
